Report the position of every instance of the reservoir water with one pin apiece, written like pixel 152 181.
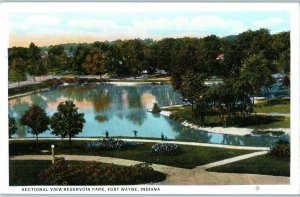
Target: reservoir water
pixel 121 109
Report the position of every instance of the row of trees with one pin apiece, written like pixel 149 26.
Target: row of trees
pixel 244 65
pixel 66 122
pixel 130 57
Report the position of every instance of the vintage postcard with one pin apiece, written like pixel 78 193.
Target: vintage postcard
pixel 150 98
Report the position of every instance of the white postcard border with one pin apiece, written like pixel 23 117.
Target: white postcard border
pixel 293 188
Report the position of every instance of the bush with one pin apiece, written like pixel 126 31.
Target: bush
pixel 156 108
pixel 166 148
pixel 53 82
pixel 281 149
pixel 111 144
pixel 93 173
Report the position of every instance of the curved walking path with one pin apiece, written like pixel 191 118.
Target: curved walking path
pixel 159 141
pixel 181 176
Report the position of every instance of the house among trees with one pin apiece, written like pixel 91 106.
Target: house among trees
pixel 44 54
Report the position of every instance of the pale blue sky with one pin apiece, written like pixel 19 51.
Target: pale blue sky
pixel 112 25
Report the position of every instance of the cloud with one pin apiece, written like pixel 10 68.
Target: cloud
pixel 160 26
pixel 37 24
pixel 90 23
pixel 268 22
pixel 42 20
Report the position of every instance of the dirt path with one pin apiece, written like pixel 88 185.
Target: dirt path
pixel 180 176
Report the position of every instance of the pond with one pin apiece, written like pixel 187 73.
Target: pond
pixel 121 109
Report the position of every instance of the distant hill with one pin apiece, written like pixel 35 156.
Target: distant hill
pixel 231 37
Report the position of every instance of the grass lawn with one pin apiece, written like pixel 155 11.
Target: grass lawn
pixel 190 157
pixel 32 172
pixel 273 106
pixel 27 88
pixel 264 164
pixel 251 121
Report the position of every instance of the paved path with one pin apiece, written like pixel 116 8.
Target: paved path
pixel 179 176
pixel 231 160
pixel 159 141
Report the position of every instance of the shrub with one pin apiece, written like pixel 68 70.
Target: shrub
pixel 53 82
pixel 281 149
pixel 93 173
pixel 166 148
pixel 156 108
pixel 111 144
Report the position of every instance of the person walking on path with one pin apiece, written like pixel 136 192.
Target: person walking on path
pixel 106 134
pixel 162 136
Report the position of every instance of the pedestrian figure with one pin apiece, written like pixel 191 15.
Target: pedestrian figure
pixel 135 133
pixel 106 134
pixel 166 139
pixel 162 136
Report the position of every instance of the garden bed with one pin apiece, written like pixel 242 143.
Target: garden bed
pixel 32 172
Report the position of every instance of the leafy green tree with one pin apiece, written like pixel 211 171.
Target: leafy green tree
pixel 67 121
pixel 17 70
pixel 281 51
pixel 79 57
pixel 255 71
pixel 58 58
pixel 133 56
pixel 36 119
pixel 35 66
pixel 12 126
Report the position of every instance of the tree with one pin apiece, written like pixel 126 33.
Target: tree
pixel 133 56
pixel 255 71
pixel 67 121
pixel 36 119
pixel 12 126
pixel 17 71
pixel 35 66
pixel 79 57
pixel 58 58
pixel 287 82
pixel 94 63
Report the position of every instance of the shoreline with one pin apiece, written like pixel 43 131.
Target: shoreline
pixel 223 130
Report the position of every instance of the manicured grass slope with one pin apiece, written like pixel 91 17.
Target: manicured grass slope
pixel 190 157
pixel 264 164
pixel 251 121
pixel 27 88
pixel 273 106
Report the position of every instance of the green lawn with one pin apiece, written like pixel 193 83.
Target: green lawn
pixel 190 157
pixel 264 164
pixel 32 172
pixel 250 121
pixel 25 89
pixel 273 106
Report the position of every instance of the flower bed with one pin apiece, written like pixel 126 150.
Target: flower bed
pixel 281 149
pixel 166 148
pixel 94 173
pixel 111 144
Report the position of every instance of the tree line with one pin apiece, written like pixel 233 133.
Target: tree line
pixel 122 58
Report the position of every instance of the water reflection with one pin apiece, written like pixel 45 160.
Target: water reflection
pixel 123 109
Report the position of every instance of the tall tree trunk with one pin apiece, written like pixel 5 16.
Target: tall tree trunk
pixel 70 142
pixel 36 142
